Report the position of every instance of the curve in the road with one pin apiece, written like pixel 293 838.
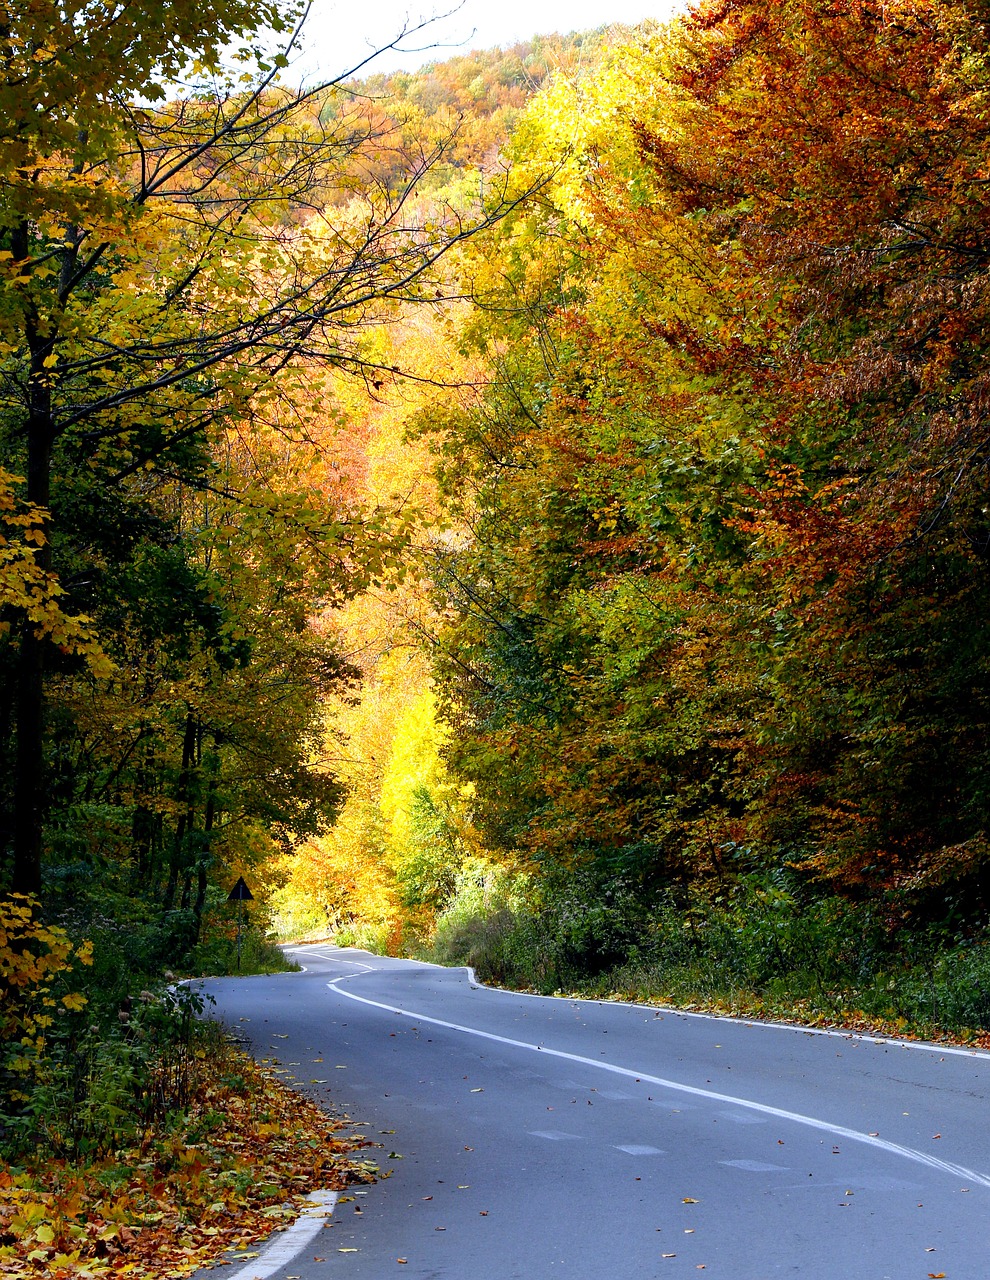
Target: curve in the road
pixel 812 1122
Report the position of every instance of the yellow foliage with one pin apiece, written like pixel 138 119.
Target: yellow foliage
pixel 28 589
pixel 33 956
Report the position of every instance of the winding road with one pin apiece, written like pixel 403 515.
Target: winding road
pixel 529 1138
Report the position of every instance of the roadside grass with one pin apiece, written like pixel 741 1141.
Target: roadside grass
pixel 225 1171
pixel 887 1010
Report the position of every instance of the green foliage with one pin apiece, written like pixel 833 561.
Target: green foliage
pixel 714 622
pixel 102 1085
pixel 39 981
pixel 489 901
pixel 584 925
pixel 258 954
pixel 94 1058
pixel 765 950
pixel 91 1072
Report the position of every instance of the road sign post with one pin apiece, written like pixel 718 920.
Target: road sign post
pixel 240 894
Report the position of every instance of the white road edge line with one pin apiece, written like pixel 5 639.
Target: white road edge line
pixel 795 1117
pixel 280 1251
pixel 864 1036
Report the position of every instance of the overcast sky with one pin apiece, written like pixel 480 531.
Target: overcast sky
pixel 340 35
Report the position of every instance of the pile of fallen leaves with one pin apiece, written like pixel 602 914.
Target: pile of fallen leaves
pixel 226 1174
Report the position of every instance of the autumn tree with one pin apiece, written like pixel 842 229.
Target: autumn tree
pixel 387 864
pixel 835 155
pixel 576 663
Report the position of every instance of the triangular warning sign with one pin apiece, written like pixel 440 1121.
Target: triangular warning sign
pixel 240 892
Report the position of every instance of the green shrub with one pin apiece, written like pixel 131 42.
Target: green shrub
pixel 102 1078
pixel 365 936
pixel 258 954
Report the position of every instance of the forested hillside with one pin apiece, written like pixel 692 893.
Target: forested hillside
pixel 531 511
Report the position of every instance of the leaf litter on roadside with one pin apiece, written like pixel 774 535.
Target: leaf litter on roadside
pixel 237 1168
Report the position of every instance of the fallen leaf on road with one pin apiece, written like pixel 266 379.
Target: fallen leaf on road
pixel 402 1259
pixel 688 1200
pixel 483 1213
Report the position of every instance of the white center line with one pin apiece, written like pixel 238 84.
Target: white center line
pixel 795 1117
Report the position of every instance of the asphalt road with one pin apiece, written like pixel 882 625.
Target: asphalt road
pixel 530 1138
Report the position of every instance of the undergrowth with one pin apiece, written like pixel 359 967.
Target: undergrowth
pixel 134 1138
pixel 96 1052
pixel 761 950
pixel 229 1165
pixel 256 954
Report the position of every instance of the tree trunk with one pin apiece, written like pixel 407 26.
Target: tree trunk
pixel 201 878
pixel 186 818
pixel 29 764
